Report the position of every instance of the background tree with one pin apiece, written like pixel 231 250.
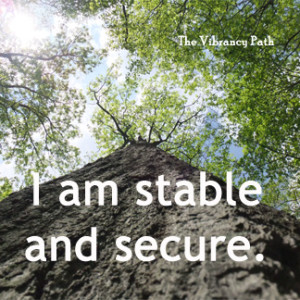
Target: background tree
pixel 39 107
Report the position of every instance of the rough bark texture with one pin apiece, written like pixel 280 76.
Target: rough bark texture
pixel 273 233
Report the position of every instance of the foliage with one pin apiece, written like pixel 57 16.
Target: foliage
pixel 71 8
pixel 253 105
pixel 258 86
pixel 148 110
pixel 6 187
pixel 38 105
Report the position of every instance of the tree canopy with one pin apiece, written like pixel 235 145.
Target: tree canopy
pixel 38 105
pixel 257 85
pixel 249 92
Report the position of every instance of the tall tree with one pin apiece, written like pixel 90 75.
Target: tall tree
pixel 273 233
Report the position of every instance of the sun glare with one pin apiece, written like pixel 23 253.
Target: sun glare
pixel 24 28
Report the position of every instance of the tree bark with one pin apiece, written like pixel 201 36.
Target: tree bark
pixel 273 233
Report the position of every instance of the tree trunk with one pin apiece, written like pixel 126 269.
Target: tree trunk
pixel 273 233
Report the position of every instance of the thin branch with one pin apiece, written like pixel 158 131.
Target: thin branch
pixel 16 86
pixel 126 22
pixel 123 133
pixel 11 55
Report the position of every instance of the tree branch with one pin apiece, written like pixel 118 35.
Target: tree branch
pixel 16 86
pixel 123 133
pixel 126 22
pixel 11 55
